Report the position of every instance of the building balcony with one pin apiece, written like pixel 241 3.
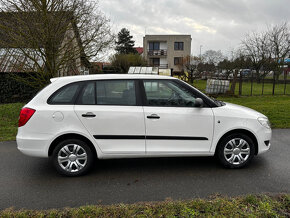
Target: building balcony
pixel 161 52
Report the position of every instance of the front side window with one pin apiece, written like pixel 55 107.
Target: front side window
pixel 167 93
pixel 65 95
pixel 178 45
pixel 116 92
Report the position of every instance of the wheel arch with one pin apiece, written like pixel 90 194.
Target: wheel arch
pixel 60 138
pixel 238 131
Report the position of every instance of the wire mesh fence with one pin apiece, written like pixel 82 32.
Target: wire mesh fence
pixel 247 86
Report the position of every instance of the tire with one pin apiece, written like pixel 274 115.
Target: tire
pixel 236 151
pixel 72 157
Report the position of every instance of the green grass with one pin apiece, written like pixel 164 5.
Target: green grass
pixel 246 88
pixel 9 114
pixel 276 108
pixel 247 206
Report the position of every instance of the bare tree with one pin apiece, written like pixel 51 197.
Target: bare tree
pixel 191 69
pixel 212 57
pixel 279 38
pixel 52 37
pixel 267 50
pixel 256 46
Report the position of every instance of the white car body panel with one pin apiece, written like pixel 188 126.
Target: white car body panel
pixel 51 121
pixel 115 120
pixel 179 122
pixel 232 116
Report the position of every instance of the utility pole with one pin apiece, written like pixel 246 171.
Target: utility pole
pixel 200 52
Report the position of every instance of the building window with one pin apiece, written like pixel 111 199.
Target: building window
pixel 177 60
pixel 178 45
pixel 155 61
pixel 154 45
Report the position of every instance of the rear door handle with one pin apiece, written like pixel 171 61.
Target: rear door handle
pixel 153 116
pixel 89 114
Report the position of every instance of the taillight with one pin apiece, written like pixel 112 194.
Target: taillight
pixel 25 115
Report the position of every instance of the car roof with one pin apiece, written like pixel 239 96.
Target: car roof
pixel 108 76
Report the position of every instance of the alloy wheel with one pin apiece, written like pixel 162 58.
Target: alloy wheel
pixel 72 158
pixel 237 151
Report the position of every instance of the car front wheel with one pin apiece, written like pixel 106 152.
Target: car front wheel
pixel 236 151
pixel 72 157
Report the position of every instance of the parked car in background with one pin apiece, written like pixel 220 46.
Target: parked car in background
pixel 77 119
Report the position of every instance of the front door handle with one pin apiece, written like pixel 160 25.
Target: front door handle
pixel 153 116
pixel 89 114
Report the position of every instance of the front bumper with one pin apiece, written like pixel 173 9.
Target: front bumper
pixel 264 139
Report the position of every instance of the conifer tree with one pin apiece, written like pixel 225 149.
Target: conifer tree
pixel 124 43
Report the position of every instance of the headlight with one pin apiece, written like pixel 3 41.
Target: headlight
pixel 264 122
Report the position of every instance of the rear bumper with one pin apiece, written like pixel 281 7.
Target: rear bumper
pixel 36 146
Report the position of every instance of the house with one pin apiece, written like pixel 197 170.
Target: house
pixel 13 43
pixel 166 51
pixel 99 66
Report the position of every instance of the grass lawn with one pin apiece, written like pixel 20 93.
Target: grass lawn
pixel 276 108
pixel 246 88
pixel 247 206
pixel 9 114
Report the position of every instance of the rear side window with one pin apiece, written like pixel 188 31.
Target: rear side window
pixel 88 94
pixel 65 95
pixel 116 92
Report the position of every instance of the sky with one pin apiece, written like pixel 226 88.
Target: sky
pixel 214 24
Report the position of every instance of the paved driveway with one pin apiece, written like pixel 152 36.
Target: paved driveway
pixel 32 183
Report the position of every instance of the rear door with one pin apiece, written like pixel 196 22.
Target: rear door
pixel 173 124
pixel 111 112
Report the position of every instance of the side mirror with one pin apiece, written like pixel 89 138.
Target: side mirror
pixel 198 102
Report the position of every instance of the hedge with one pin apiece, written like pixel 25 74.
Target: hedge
pixel 12 91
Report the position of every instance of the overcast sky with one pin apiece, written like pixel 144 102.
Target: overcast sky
pixel 215 24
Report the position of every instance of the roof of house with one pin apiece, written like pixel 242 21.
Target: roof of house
pixel 139 50
pixel 26 31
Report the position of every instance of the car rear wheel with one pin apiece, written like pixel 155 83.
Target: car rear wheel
pixel 236 151
pixel 72 157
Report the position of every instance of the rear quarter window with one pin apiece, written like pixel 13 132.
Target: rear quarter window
pixel 65 95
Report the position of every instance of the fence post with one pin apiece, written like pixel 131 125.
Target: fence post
pixel 273 90
pixel 263 82
pixel 252 77
pixel 240 84
pixel 285 80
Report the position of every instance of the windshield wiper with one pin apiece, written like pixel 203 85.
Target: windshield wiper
pixel 219 103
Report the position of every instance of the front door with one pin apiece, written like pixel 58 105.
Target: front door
pixel 173 124
pixel 108 110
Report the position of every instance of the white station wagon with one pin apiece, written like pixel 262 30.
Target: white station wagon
pixel 77 119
